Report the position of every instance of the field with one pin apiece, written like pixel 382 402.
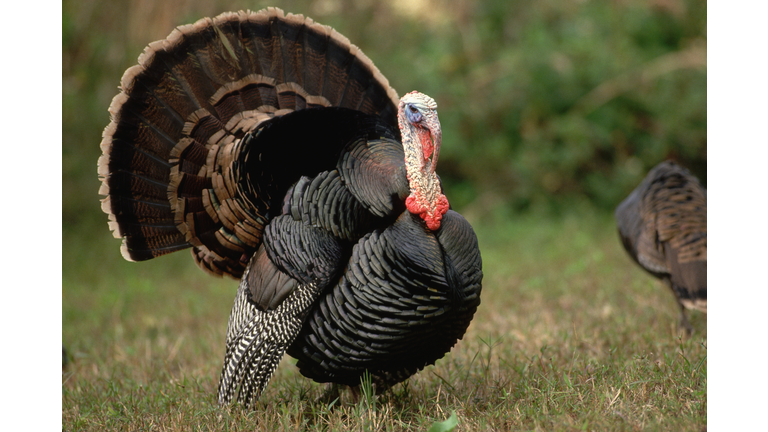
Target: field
pixel 570 335
pixel 552 112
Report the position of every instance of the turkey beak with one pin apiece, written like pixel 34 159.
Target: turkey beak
pixel 436 134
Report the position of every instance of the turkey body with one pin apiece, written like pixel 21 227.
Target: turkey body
pixel 663 226
pixel 278 153
pixel 405 298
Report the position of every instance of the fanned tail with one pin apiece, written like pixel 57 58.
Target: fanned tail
pixel 171 165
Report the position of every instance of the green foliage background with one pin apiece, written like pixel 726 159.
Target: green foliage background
pixel 543 103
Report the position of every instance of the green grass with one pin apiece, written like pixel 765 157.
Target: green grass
pixel 570 335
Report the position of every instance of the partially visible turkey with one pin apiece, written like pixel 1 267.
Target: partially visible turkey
pixel 277 151
pixel 663 226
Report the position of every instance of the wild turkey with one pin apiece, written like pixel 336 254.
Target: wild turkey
pixel 272 147
pixel 663 226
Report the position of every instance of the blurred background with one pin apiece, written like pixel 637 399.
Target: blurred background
pixel 545 105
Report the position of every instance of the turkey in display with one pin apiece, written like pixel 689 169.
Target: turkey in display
pixel 274 149
pixel 663 226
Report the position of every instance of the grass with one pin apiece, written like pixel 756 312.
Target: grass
pixel 570 335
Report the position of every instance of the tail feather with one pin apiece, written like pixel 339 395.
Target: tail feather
pixel 172 149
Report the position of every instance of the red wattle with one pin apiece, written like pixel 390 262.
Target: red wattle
pixel 412 204
pixel 431 219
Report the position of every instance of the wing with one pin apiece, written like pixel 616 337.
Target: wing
pixel 293 265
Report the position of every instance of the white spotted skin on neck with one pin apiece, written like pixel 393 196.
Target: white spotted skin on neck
pixel 422 135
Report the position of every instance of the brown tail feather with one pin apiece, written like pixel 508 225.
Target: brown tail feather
pixel 169 164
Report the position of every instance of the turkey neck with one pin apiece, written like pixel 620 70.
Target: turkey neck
pixel 420 142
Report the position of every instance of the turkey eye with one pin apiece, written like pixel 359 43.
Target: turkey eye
pixel 413 114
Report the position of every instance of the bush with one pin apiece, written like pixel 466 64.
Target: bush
pixel 542 103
